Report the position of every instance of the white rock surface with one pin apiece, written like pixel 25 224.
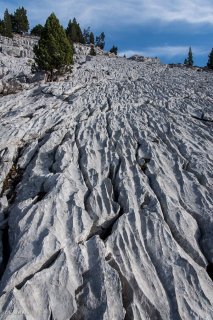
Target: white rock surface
pixel 18 46
pixel 106 196
pixel 16 60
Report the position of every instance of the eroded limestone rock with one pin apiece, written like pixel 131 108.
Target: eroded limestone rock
pixel 110 214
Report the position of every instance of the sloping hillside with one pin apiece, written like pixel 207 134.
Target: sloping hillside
pixel 106 194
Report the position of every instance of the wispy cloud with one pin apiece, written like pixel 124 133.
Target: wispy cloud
pixel 190 11
pixel 165 51
pixel 117 12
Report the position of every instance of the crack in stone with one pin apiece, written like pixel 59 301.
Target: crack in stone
pixel 10 184
pixel 51 315
pixel 209 270
pixel 84 173
pixel 78 314
pixel 105 231
pixel 53 153
pixel 9 189
pixel 202 119
pixel 127 291
pixel 41 194
pixel 113 172
pixel 109 102
pixel 108 129
pixel 46 265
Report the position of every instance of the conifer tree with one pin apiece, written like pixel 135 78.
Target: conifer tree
pixel 2 27
pixel 91 38
pixel 20 23
pixel 100 41
pixel 114 50
pixel 53 51
pixel 7 25
pixel 80 34
pixel 13 22
pixel 92 51
pixel 86 35
pixel 74 32
pixel 190 57
pixel 189 61
pixel 210 60
pixel 69 32
pixel 37 30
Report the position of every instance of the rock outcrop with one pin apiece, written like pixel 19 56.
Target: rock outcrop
pixel 106 195
pixel 139 58
pixel 18 46
pixel 16 59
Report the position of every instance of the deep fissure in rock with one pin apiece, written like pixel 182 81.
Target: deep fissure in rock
pixel 83 172
pixel 106 232
pixel 209 270
pixel 40 196
pixel 13 178
pixel 6 249
pixel 127 291
pixel 113 172
pixel 46 265
pixel 202 119
pixel 9 189
pixel 51 316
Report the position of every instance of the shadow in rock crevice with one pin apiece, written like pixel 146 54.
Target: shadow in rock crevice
pixel 209 270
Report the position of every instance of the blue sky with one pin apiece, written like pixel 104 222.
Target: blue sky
pixel 163 28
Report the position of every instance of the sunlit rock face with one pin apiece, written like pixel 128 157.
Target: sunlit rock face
pixel 16 59
pixel 18 46
pixel 106 194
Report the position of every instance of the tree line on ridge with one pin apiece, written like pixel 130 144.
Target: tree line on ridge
pixel 55 46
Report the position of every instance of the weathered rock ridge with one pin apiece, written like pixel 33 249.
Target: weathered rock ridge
pixel 106 195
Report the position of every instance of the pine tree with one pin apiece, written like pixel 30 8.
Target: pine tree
pixel 114 50
pixel 69 31
pixel 37 30
pixel 20 23
pixel 91 38
pixel 190 57
pixel 74 32
pixel 53 51
pixel 100 41
pixel 2 27
pixel 189 61
pixel 210 60
pixel 86 35
pixel 92 51
pixel 13 22
pixel 79 34
pixel 7 25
